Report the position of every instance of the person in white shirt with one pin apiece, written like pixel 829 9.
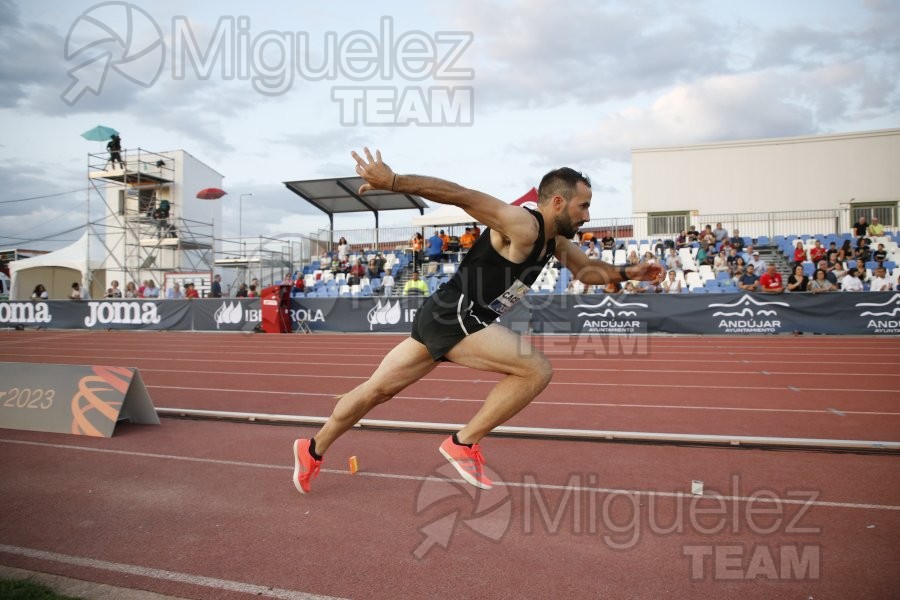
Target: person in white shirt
pixel 758 265
pixel 174 292
pixel 387 284
pixel 671 285
pixel 592 251
pixel 851 282
pixel 673 261
pixel 880 281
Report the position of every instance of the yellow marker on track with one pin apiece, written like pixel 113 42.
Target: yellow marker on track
pixel 354 465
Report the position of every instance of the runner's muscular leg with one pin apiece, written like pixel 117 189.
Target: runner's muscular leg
pixel 407 363
pixel 527 371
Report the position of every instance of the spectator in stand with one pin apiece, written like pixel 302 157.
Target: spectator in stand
pixel 660 247
pixel 880 281
pixel 299 285
pixel 417 243
pixel 575 287
pixel 633 258
pixel 40 292
pixel 681 240
pixel 845 252
pixel 732 258
pixel 151 291
pixel 467 240
pixel 876 229
pixel 75 294
pixel 649 257
pixel 372 270
pixel 799 256
pixel 435 251
pixel 692 234
pixel 834 273
pixel 131 290
pixel 861 228
pixel 707 236
pixel 387 284
pixel 749 282
pixel 720 263
pixel 357 272
pixel 608 242
pixel 252 293
pixel 343 249
pixel 739 266
pixel 671 285
pixel 880 255
pixel 832 249
pixel 720 232
pixel 114 291
pixel 725 244
pixel 852 282
pixel 592 251
pixel 673 261
pixel 216 288
pixel 817 252
pixel 476 230
pixel 174 292
pixel 242 291
pixel 798 281
pixel 863 252
pixel 820 283
pixel 190 292
pixel 445 246
pixel 737 242
pixel 415 286
pixel 771 282
pixel 758 265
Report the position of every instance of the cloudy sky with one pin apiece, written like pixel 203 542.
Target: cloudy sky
pixel 488 93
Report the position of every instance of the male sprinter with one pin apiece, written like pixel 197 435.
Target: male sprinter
pixel 457 323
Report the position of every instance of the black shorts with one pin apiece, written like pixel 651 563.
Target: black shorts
pixel 444 320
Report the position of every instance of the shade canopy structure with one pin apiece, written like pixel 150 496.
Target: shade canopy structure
pixel 339 195
pixel 81 261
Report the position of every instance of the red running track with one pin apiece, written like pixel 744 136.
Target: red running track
pixel 204 509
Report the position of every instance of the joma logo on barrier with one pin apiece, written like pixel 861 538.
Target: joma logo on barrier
pixel 616 317
pixel 25 312
pixel 889 315
pixel 121 313
pixel 748 316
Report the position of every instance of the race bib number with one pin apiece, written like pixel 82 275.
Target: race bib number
pixel 509 298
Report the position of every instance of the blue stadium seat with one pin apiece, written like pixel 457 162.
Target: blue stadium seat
pixel 723 276
pixel 762 240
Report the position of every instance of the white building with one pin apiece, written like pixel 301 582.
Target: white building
pixel 826 181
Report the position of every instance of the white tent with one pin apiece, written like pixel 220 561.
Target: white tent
pixel 57 270
pixel 446 214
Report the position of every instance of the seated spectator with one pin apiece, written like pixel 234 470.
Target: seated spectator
pixel 174 292
pixel 114 291
pixel 833 273
pixel 575 287
pixel 372 271
pixel 681 240
pixel 671 285
pixel 820 283
pixel 737 242
pixel 863 252
pixel 880 255
pixel 725 244
pixel 190 292
pixel 633 258
pixel 852 282
pixel 629 288
pixel 880 281
pixel 720 232
pixel 660 247
pixel 131 290
pixel 861 228
pixel 732 258
pixel 299 285
pixel 40 292
pixel 608 242
pixel 845 252
pixel 799 256
pixel 739 266
pixel 798 282
pixel 749 282
pixel 720 263
pixel 647 287
pixel 415 286
pixel 151 291
pixel 648 257
pixel 701 254
pixel 758 265
pixel 242 291
pixel 673 261
pixel 707 236
pixel 252 293
pixel 817 252
pixel 771 282
pixel 466 240
pixel 876 229
pixel 592 251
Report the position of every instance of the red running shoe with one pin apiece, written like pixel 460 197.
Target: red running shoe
pixel 305 466
pixel 468 461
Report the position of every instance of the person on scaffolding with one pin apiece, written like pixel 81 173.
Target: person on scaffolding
pixel 458 322
pixel 114 146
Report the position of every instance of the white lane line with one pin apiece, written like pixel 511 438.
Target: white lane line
pixel 209 582
pixel 540 486
pixel 542 402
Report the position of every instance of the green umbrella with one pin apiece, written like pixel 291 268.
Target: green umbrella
pixel 100 133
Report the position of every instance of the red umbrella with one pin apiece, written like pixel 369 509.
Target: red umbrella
pixel 211 194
